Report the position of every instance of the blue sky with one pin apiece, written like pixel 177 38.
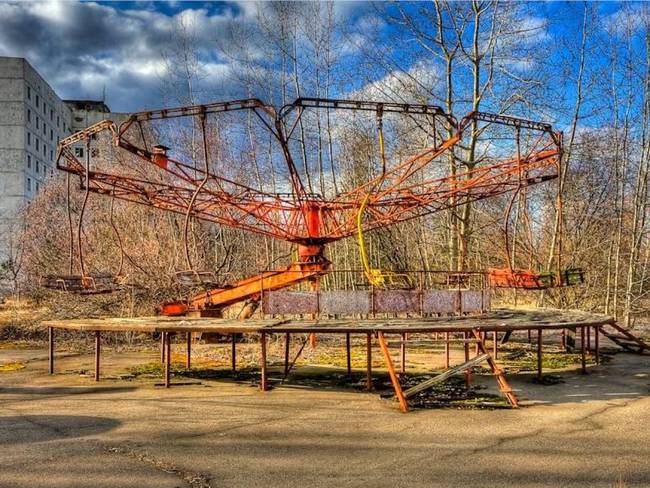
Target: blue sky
pixel 87 49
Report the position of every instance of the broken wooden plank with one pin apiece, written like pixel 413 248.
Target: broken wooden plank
pixel 414 390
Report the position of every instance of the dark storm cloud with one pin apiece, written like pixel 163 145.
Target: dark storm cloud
pixel 82 49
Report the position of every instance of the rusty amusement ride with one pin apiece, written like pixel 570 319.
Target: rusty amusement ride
pixel 524 153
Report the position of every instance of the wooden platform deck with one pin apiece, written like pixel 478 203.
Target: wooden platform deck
pixel 500 321
pixel 467 329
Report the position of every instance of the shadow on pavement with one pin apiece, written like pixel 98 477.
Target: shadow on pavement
pixel 62 390
pixel 39 428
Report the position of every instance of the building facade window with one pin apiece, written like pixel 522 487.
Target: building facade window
pixel 38 122
pixel 29 138
pixel 79 152
pixel 37 167
pixel 38 101
pixel 38 186
pixel 29 184
pixel 29 161
pixel 36 143
pixel 29 93
pixel 29 115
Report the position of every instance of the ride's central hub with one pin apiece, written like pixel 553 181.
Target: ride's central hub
pixel 311 253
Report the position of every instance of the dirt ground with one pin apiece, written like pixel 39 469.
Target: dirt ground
pixel 66 430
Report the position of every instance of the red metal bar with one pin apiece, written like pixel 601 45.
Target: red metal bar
pixel 233 352
pixel 348 353
pixel 446 350
pixel 287 345
pixel 403 405
pixel 167 341
pixel 539 354
pixel 583 359
pixel 188 358
pixel 263 376
pixel 468 373
pixel 402 350
pixel 98 348
pixel 369 362
pixel 50 336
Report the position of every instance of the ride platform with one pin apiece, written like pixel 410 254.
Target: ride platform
pixel 469 329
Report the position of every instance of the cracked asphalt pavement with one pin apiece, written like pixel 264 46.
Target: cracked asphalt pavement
pixel 67 431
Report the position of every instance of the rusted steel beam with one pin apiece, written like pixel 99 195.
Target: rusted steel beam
pixel 539 354
pixel 447 350
pixel 402 351
pixel 50 354
pixel 295 359
pixel 369 362
pixel 98 351
pixel 348 354
pixel 504 386
pixel 468 372
pixel 188 351
pixel 162 347
pixel 167 342
pixel 403 404
pixel 583 359
pixel 263 376
pixel 287 347
pixel 233 352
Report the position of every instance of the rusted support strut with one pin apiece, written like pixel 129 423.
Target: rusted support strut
pixel 483 356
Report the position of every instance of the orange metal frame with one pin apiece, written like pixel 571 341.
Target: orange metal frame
pixel 402 193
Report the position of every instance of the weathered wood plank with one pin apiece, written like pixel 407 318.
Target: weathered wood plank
pixel 414 390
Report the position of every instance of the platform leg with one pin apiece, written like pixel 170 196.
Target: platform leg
pixel 348 353
pixel 168 349
pixel 188 351
pixel 369 362
pixel 263 379
pixel 403 405
pixel 468 373
pixel 597 343
pixel 495 344
pixel 583 359
pixel 233 353
pixel 162 347
pixel 539 354
pixel 402 354
pixel 446 350
pixel 50 336
pixel 287 346
pixel 588 339
pixel 98 352
pixel 504 386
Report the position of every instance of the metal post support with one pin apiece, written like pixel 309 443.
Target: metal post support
pixel 50 335
pixel 98 350
pixel 263 379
